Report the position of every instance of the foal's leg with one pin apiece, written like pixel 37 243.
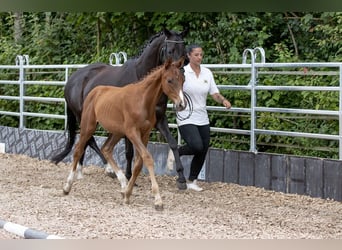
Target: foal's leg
pixel 138 163
pixel 107 150
pixel 88 127
pixel 79 151
pixel 79 167
pixel 140 145
pixel 163 127
pixel 92 143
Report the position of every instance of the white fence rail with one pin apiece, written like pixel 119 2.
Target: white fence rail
pixel 249 67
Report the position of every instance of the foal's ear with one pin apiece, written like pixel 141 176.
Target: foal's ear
pixel 180 62
pixel 168 63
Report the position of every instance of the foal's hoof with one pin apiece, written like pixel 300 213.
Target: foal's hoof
pixel 65 192
pixel 181 185
pixel 159 207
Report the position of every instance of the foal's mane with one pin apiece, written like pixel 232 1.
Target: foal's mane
pixel 152 74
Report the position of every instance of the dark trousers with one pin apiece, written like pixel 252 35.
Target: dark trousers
pixel 197 144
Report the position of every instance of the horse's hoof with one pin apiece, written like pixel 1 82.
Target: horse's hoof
pixel 111 174
pixel 65 192
pixel 159 207
pixel 122 194
pixel 181 185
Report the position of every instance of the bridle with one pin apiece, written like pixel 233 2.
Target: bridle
pixel 162 56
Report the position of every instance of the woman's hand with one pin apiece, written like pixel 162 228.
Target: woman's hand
pixel 220 99
pixel 226 103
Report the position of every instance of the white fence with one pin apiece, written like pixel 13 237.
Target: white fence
pixel 250 67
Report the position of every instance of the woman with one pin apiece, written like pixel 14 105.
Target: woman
pixel 199 82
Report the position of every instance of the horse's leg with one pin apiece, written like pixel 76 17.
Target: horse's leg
pixel 129 157
pixel 79 168
pixel 80 165
pixel 140 145
pixel 107 150
pixel 71 127
pixel 92 143
pixel 163 126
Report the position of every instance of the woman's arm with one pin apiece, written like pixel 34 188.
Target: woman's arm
pixel 222 100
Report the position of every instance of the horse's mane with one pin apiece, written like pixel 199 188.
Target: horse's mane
pixel 147 43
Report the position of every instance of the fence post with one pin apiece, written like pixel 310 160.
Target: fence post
pixel 262 54
pixel 65 104
pixel 252 84
pixel 19 61
pixel 340 116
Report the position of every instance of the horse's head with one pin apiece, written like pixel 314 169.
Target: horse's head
pixel 173 45
pixel 172 82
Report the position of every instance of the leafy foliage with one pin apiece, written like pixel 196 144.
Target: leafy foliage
pixel 80 38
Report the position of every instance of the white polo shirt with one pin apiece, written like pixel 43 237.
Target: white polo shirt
pixel 198 89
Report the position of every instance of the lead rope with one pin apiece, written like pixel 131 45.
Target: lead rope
pixel 190 105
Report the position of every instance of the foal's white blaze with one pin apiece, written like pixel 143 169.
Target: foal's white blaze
pixel 181 96
pixel 79 171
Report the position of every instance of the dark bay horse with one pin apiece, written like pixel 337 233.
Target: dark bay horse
pixel 166 44
pixel 129 111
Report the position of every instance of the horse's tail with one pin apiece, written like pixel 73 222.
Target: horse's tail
pixel 71 127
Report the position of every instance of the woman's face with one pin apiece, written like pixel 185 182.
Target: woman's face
pixel 196 56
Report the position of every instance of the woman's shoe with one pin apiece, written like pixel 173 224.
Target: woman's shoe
pixel 193 185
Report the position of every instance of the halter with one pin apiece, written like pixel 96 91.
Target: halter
pixel 164 48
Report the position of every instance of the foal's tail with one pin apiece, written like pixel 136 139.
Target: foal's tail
pixel 72 127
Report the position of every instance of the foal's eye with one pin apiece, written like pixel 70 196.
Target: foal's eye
pixel 169 80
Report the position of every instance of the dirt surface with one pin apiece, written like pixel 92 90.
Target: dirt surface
pixel 31 195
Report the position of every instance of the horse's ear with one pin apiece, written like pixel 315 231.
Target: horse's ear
pixel 166 32
pixel 185 32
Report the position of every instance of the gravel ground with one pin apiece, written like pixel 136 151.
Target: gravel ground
pixel 31 195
